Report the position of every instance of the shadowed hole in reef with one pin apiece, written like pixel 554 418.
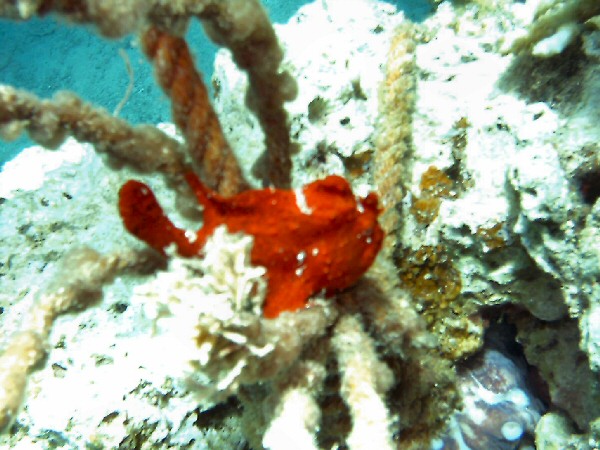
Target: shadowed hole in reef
pixel 589 186
pixel 502 395
pixel 552 80
pixel 214 416
pixel 501 335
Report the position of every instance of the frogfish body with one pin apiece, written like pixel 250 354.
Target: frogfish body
pixel 319 238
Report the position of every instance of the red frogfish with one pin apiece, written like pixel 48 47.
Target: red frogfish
pixel 318 238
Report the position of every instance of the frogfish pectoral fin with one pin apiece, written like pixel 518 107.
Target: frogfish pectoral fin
pixel 144 218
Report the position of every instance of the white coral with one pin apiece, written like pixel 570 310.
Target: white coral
pixel 208 308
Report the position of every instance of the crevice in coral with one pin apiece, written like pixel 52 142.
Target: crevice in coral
pixel 551 80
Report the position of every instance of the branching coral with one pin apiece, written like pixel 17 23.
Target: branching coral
pixel 240 25
pixel 297 411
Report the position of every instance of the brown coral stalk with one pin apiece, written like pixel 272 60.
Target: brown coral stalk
pixel 244 28
pixel 192 111
pixel 49 122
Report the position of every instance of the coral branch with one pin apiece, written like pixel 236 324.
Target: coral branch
pixel 24 351
pixel 130 85
pixel 365 380
pixel 394 127
pixel 297 412
pixel 544 37
pixel 297 415
pixel 243 27
pixel 48 122
pixel 192 111
pixel 114 18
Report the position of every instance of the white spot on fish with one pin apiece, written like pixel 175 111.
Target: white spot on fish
pixel 301 257
pixel 301 202
pixel 359 206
